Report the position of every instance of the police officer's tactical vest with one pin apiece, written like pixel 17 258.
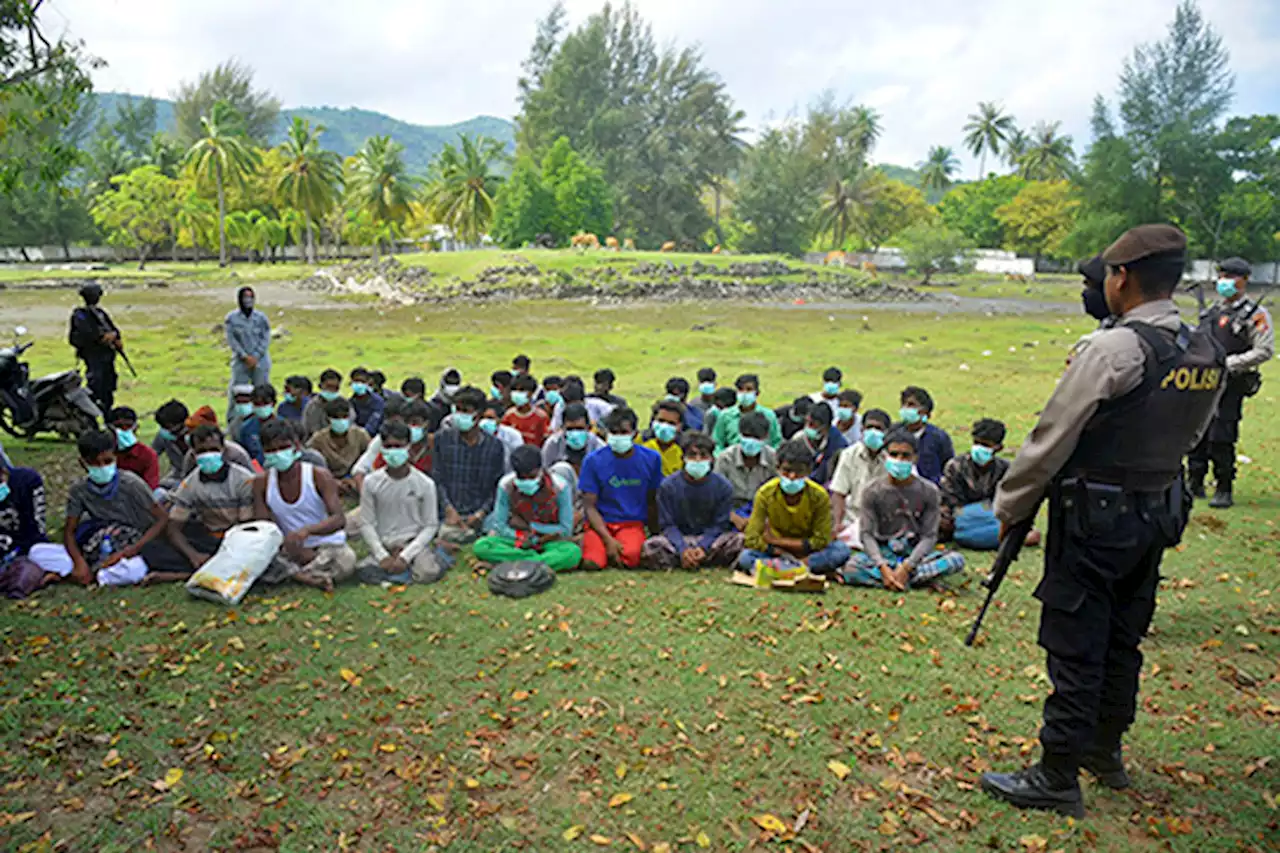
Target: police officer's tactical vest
pixel 1228 326
pixel 1137 441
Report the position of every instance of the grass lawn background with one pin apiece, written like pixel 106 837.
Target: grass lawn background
pixel 668 707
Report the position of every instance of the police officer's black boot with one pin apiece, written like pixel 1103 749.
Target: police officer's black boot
pixel 1195 483
pixel 1222 496
pixel 1107 766
pixel 1039 786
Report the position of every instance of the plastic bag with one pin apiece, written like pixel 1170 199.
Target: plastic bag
pixel 246 552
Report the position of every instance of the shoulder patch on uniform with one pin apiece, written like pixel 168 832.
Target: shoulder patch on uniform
pixel 1261 322
pixel 1223 320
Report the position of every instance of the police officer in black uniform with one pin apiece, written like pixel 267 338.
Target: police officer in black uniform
pixel 1108 450
pixel 1244 328
pixel 96 341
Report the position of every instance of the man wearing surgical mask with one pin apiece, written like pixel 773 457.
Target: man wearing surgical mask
pixel 532 517
pixel 619 486
pixel 726 432
pixel 248 334
pixel 747 465
pixel 341 445
pixel 468 463
pixel 666 430
pixel 210 501
pixel 131 454
pixel 1244 329
pixel 859 464
pixel 398 516
pixel 366 402
pixel 694 510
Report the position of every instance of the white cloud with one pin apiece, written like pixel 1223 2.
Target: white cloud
pixel 923 64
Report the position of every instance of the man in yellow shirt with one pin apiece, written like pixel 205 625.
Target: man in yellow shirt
pixel 790 521
pixel 666 433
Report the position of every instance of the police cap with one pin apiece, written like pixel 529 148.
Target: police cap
pixel 91 289
pixel 1147 241
pixel 1094 270
pixel 1235 266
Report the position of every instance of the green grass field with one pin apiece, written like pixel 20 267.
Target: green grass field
pixel 619 711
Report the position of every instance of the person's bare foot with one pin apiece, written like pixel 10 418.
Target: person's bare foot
pixel 1032 540
pixel 317 581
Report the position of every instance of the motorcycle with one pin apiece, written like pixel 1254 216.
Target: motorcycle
pixel 57 403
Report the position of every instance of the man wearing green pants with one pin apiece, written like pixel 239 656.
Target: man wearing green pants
pixel 532 517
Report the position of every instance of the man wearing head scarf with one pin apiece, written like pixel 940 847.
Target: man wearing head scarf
pixel 96 341
pixel 249 336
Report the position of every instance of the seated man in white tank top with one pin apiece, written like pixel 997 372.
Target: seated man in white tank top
pixel 303 500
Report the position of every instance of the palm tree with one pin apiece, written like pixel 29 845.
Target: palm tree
pixel 195 216
pixel 986 132
pixel 864 128
pixel 379 182
pixel 937 168
pixel 1049 157
pixel 310 176
pixel 1015 146
pixel 843 203
pixel 463 184
pixel 224 154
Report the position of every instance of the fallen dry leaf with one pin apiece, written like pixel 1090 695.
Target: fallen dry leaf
pixel 841 770
pixel 349 677
pixel 1033 843
pixel 601 840
pixel 171 777
pixel 703 840
pixel 619 800
pixel 621 771
pixel 637 841
pixel 770 823
pixel 573 832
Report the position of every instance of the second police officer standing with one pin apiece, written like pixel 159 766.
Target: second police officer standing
pixel 1244 329
pixel 1108 450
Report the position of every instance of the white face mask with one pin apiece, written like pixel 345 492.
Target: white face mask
pixel 450 390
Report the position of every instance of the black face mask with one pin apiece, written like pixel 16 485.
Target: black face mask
pixel 1095 303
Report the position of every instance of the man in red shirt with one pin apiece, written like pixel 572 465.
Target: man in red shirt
pixel 131 455
pixel 532 423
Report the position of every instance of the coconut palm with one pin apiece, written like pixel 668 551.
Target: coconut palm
pixel 379 182
pixel 195 217
pixel 843 202
pixel 222 154
pixel 1049 156
pixel 864 128
pixel 936 170
pixel 1015 146
pixel 986 132
pixel 463 184
pixel 310 178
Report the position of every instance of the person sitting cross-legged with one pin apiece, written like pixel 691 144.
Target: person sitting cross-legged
pixel 210 501
pixel 748 465
pixel 28 561
pixel 898 520
pixel 666 429
pixel 935 448
pixel 341 445
pixel 726 429
pixel 619 486
pixel 694 509
pixel 824 441
pixel 303 501
pixel 530 421
pixel 467 466
pixel 264 409
pixel 532 517
pixel 132 455
pixel 790 520
pixel 859 464
pixel 968 489
pixel 399 518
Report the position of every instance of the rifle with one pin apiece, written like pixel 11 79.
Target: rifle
pixel 127 363
pixel 1010 548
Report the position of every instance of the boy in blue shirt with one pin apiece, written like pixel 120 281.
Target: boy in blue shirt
pixel 619 486
pixel 297 393
pixel 935 448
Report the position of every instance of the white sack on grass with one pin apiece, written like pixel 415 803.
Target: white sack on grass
pixel 246 552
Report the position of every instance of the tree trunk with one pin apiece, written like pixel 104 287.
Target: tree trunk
pixel 222 216
pixel 311 240
pixel 982 164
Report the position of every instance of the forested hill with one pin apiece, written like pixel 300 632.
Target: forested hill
pixel 347 129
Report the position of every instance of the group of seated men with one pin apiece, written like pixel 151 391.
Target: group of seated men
pixel 528 470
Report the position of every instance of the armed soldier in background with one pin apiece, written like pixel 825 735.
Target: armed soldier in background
pixel 1244 329
pixel 96 341
pixel 1108 449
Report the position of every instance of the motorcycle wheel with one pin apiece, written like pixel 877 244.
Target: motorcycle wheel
pixel 8 425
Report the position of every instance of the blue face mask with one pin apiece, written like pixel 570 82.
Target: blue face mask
pixel 844 414
pixel 102 474
pixel 873 438
pixel 339 426
pixel 1226 287
pixel 489 425
pixel 290 398
pixel 909 415
pixel 125 439
pixel 262 413
pixel 831 388
pixel 210 463
pixel 282 460
pixel 555 398
pixel 395 457
pixel 359 389
pixel 328 396
pixel 791 486
pixel 464 421
pixel 4 492
pixel 575 439
pixel 495 392
pixel 899 469
pixel 981 455
pixel 528 488
pixel 416 434
pixel 707 388
pixel 621 444
pixel 746 398
pixel 665 433
pixel 520 398
pixel 697 469
pixel 752 446
pixel 244 409
pixel 672 398
pixel 167 435
pixel 812 434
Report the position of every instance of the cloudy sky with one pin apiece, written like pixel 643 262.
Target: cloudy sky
pixel 922 63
